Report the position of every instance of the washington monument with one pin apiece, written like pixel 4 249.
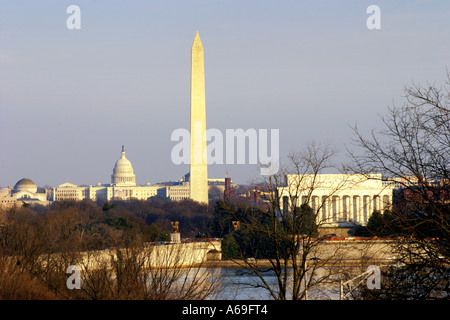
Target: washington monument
pixel 198 184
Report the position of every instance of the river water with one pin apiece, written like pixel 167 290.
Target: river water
pixel 240 284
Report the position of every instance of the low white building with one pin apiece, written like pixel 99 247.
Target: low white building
pixel 175 192
pixel 339 199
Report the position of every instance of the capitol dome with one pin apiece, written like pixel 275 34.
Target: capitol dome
pixel 123 173
pixel 25 185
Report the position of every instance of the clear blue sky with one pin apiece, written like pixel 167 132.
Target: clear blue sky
pixel 69 99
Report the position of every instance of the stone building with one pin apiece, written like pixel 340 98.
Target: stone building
pixel 339 199
pixel 24 191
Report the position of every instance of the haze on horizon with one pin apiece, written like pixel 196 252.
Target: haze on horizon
pixel 69 99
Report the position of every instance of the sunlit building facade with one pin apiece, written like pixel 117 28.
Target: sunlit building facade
pixel 339 199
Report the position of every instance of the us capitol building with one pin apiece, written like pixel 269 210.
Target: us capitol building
pixel 122 187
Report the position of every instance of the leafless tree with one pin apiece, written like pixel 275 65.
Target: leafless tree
pixel 146 273
pixel 413 150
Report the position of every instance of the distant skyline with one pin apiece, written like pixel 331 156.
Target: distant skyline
pixel 69 99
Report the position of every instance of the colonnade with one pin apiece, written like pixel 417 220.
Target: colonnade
pixel 333 209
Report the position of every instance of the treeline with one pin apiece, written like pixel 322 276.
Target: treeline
pixel 194 218
pixel 96 226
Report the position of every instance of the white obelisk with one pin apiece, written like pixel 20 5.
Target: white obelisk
pixel 198 167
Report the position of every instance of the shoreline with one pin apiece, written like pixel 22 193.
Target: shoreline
pixel 265 263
